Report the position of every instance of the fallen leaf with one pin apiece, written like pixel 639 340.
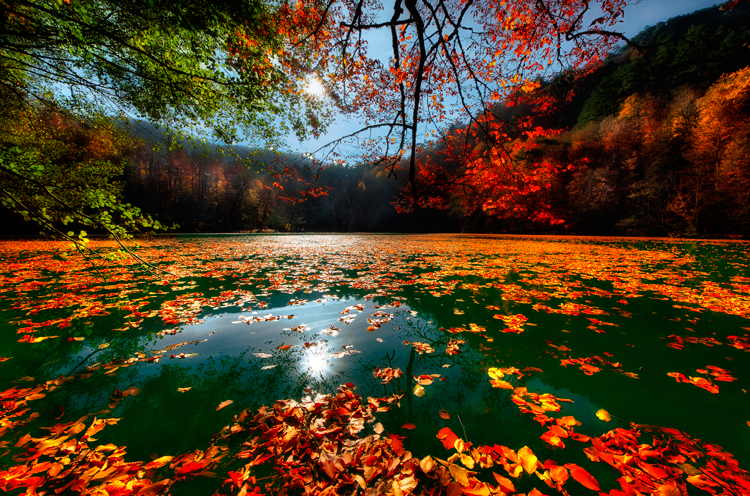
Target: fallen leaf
pixel 185 389
pixel 409 426
pixel 427 464
pixel 224 404
pixel 103 345
pixel 418 390
pixel 583 477
pixel 467 461
pixel 528 459
pixel 459 474
pixel 447 437
pixel 159 462
pixel 445 415
pixel 603 415
pixel 559 474
pixel 506 485
pixel 267 367
pixel 131 391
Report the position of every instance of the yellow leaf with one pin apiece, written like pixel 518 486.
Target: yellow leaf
pixel 427 464
pixel 603 415
pixel 459 474
pixel 528 459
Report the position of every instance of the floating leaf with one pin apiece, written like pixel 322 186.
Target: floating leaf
pixel 559 474
pixel 418 390
pixel 447 437
pixel 262 355
pixel 506 485
pixel 158 462
pixel 445 415
pixel 409 426
pixel 427 464
pixel 459 474
pixel 103 345
pixel 185 389
pixel 131 391
pixel 268 367
pixel 467 461
pixel 224 404
pixel 528 459
pixel 583 477
pixel 603 415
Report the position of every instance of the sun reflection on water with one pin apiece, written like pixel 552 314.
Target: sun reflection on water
pixel 315 362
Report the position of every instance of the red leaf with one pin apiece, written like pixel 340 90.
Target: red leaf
pixel 397 444
pixel 583 477
pixel 447 436
pixel 409 426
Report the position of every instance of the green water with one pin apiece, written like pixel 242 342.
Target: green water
pixel 641 291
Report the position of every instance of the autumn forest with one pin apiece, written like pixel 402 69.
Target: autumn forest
pixel 348 247
pixel 653 142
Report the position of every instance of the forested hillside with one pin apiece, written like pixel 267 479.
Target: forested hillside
pixel 655 141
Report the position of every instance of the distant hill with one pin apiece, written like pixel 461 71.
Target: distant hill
pixel 693 49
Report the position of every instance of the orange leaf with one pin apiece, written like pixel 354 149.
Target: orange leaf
pixel 583 477
pixel 506 485
pixel 447 437
pixel 559 474
pixel 131 391
pixel 224 404
pixel 479 489
pixel 159 462
pixel 445 415
pixel 528 459
pixel 409 426
pixel 603 415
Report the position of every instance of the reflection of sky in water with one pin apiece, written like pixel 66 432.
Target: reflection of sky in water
pixel 323 340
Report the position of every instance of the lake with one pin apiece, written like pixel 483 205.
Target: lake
pixel 620 362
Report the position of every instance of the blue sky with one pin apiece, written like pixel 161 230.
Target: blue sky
pixel 637 16
pixel 650 12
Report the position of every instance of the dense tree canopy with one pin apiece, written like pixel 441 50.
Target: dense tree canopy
pixel 200 69
pixel 187 65
pixel 450 64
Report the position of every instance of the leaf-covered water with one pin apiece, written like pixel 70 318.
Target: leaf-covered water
pixel 619 334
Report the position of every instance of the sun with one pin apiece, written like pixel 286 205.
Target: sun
pixel 315 88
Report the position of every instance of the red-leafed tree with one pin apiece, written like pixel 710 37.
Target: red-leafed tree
pixel 452 69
